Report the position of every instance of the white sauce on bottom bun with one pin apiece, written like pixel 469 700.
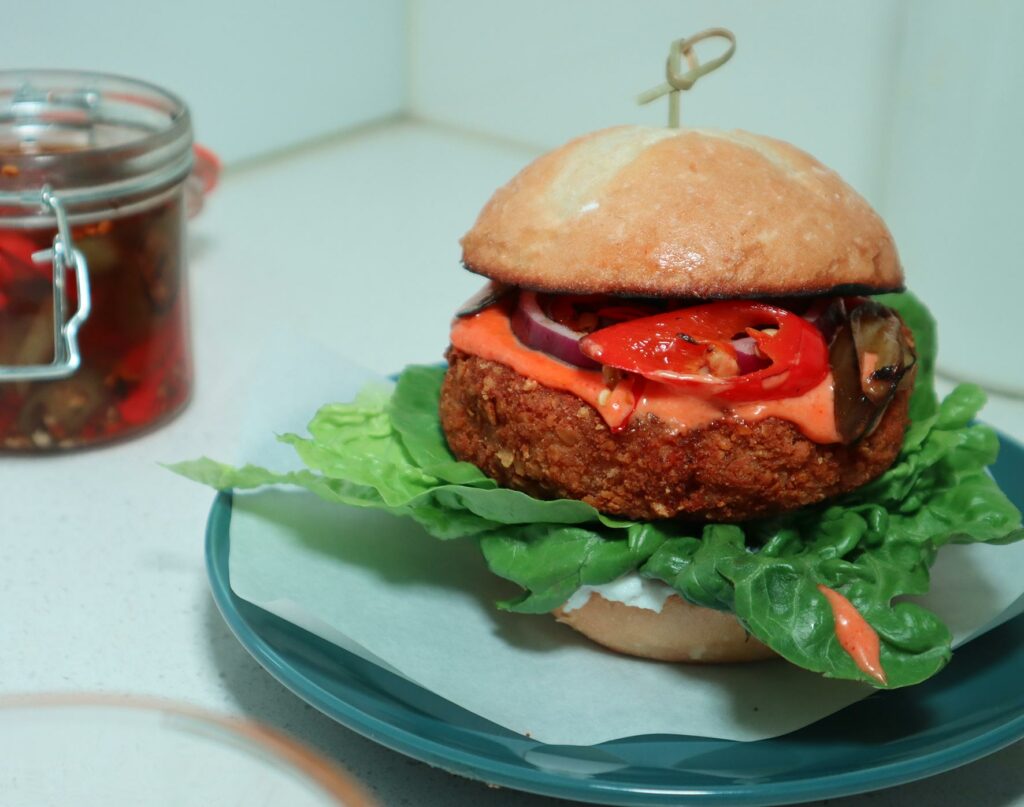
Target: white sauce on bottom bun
pixel 630 589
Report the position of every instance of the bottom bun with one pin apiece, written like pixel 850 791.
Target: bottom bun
pixel 679 632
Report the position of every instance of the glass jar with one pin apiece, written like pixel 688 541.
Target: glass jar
pixel 94 183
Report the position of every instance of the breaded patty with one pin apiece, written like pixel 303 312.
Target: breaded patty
pixel 551 444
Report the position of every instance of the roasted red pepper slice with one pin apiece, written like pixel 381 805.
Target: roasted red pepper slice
pixel 692 348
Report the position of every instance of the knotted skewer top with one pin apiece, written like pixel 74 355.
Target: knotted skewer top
pixel 676 80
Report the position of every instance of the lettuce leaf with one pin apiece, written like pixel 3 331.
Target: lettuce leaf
pixel 386 450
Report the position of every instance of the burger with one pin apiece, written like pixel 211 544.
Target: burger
pixel 681 324
pixel 691 414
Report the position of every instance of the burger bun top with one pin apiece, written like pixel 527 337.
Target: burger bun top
pixel 694 213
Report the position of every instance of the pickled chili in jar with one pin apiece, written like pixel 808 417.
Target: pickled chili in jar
pixel 95 176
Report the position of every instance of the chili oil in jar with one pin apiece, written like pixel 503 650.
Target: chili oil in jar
pixel 94 172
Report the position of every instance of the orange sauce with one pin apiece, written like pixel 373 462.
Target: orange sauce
pixel 813 412
pixel 855 635
pixel 489 335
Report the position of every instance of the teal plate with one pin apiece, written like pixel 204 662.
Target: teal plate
pixel 973 707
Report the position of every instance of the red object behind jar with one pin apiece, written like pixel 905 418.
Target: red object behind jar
pixel 95 180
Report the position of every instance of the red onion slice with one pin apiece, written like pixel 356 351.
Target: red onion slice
pixel 535 329
pixel 747 357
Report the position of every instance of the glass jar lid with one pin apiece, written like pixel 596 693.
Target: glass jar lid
pixel 88 137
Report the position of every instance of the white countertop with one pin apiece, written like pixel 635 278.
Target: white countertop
pixel 353 243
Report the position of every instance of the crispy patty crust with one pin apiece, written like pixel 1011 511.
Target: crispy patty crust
pixel 551 444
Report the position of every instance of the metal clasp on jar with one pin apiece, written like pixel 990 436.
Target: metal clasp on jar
pixel 64 258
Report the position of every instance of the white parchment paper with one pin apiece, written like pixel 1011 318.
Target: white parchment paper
pixel 380 587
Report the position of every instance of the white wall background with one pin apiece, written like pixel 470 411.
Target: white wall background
pixel 258 75
pixel 539 71
pixel 954 178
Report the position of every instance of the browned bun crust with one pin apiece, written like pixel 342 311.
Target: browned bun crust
pixel 683 213
pixel 551 444
pixel 679 632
